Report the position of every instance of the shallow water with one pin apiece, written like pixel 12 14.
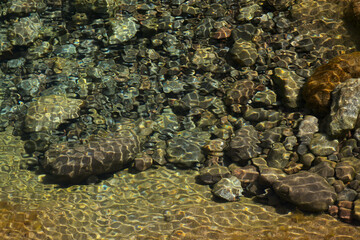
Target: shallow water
pixel 154 204
pixel 158 203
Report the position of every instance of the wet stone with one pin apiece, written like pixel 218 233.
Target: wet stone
pixel 265 98
pixel 25 31
pixel 278 156
pixel 73 163
pixel 307 159
pixel 173 86
pixel 246 175
pixel 32 86
pixel 308 126
pixel 244 145
pixel 122 30
pixel 345 172
pixel 260 114
pixel 213 174
pixel 184 153
pixel 281 4
pixel 247 13
pixel 347 195
pixel 269 175
pixel 244 53
pixel 323 169
pixel 338 185
pixel 240 92
pixel 143 161
pixel 345 107
pixel 26 6
pixel 204 58
pixel 229 189
pixel 306 190
pixel 48 112
pixel 289 86
pixel 290 142
pixel 357 209
pixel 320 145
pixel 270 136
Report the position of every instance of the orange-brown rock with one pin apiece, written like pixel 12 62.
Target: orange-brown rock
pixel 317 90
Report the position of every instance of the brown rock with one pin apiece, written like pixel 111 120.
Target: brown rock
pixel 356 211
pixel 339 186
pixel 269 175
pixel 344 172
pixel 213 174
pixel 324 169
pixel 308 191
pixel 345 214
pixel 333 210
pixel 317 90
pixel 143 161
pixel 246 175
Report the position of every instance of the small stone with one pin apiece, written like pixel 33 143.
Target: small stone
pixel 184 152
pixel 338 185
pixel 229 189
pixel 320 145
pixel 324 169
pixel 308 126
pixel 302 149
pixel 356 210
pixel 244 53
pixel 247 13
pixel 345 214
pixel 289 84
pixel 246 175
pixel 347 195
pixel 307 159
pixel 290 142
pixel 270 175
pixel 306 190
pixel 344 172
pixel 293 167
pixel 123 30
pixel 346 204
pixel 265 98
pixel 278 157
pixel 213 174
pixel 280 4
pixel 333 210
pixel 244 145
pixel 143 161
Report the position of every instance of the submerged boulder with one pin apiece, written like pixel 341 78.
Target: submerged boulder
pixel 306 190
pixel 75 163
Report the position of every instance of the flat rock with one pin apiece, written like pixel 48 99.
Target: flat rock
pixel 306 190
pixel 75 163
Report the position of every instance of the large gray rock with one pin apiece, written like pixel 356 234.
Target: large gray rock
pixel 306 190
pixel 345 107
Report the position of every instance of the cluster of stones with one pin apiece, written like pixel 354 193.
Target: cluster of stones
pixel 219 94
